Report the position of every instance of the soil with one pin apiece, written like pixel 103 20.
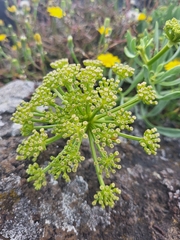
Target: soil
pixel 148 209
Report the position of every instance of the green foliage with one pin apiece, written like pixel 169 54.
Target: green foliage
pixel 149 53
pixel 74 103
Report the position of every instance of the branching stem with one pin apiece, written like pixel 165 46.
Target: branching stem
pixel 96 165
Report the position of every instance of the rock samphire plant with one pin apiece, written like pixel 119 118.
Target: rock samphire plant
pixel 74 103
pixel 155 58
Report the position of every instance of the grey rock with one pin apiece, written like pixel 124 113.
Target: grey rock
pixel 22 227
pixel 15 129
pixel 72 211
pixel 13 93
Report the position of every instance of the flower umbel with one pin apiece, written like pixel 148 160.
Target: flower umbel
pixel 37 175
pixel 150 141
pixel 122 70
pixel 172 30
pixel 74 103
pixel 107 195
pixel 146 94
pixel 31 147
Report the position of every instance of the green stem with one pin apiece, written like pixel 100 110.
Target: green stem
pixel 133 101
pixel 101 41
pixel 53 139
pixel 103 120
pixel 94 113
pixel 138 78
pixel 116 5
pixel 110 73
pixel 38 120
pixel 159 54
pixel 58 93
pixel 124 135
pixel 60 90
pixel 45 126
pixel 144 57
pixel 35 11
pixel 74 56
pixel 38 114
pixel 88 110
pixel 96 165
pixel 46 168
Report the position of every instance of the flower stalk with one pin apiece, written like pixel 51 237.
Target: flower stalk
pixel 71 48
pixel 159 54
pixel 96 165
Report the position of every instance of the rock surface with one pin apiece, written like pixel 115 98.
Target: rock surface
pixel 11 95
pixel 148 209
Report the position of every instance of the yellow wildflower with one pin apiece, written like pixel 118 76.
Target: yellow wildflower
pixel 14 48
pixel 1 22
pixel 2 37
pixel 55 12
pixel 149 19
pixel 172 64
pixel 141 17
pixel 37 38
pixel 18 44
pixel 108 59
pixel 106 31
pixel 12 9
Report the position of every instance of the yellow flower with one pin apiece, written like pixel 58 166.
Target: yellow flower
pixel 55 12
pixel 37 38
pixel 2 37
pixel 18 44
pixel 141 17
pixel 172 64
pixel 108 59
pixel 149 19
pixel 105 31
pixel 12 9
pixel 1 22
pixel 14 48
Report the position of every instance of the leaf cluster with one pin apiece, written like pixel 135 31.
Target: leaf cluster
pixel 149 53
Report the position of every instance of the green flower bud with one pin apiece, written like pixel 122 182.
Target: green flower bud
pixel 107 195
pixel 108 163
pixel 172 30
pixel 37 175
pixel 31 147
pixel 59 63
pixel 122 70
pixel 146 94
pixel 94 63
pixel 150 141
